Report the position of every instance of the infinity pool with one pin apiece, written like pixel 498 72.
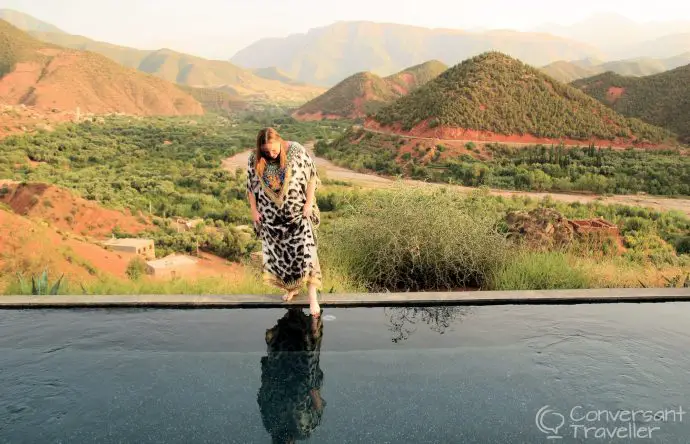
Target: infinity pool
pixel 508 374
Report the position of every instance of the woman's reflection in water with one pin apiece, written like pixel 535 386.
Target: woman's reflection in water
pixel 289 398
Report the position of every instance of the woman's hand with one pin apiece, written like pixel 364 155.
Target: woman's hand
pixel 256 216
pixel 306 212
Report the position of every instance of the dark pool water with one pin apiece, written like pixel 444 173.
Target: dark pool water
pixel 364 375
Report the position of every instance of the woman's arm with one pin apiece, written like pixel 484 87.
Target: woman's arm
pixel 311 191
pixel 252 201
pixel 311 186
pixel 252 189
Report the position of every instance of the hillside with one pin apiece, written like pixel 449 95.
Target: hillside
pixel 566 72
pixel 661 99
pixel 46 77
pixel 495 95
pixel 365 93
pixel 26 22
pixel 45 226
pixel 188 70
pixel 326 55
pixel 644 66
pixel 273 73
pixel 664 46
pixel 216 100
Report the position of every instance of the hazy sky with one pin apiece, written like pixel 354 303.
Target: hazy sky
pixel 218 28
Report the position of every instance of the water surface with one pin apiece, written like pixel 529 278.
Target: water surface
pixel 434 375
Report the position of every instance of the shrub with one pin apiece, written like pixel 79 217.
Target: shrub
pixel 136 268
pixel 683 245
pixel 416 239
pixel 538 271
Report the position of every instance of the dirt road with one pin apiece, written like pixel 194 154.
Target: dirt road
pixel 335 172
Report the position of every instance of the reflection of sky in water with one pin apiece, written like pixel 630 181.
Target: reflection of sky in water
pixel 450 374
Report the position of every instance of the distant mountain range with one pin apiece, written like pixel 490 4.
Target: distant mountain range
pixel 365 92
pixel 619 37
pixel 47 76
pixel 578 69
pixel 662 99
pixel 177 67
pixel 327 55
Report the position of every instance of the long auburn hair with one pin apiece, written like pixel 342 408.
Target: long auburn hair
pixel 268 135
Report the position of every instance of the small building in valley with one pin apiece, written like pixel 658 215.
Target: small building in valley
pixel 143 247
pixel 171 266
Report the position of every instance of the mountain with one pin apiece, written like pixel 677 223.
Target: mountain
pixel 495 95
pixel 662 99
pixel 365 92
pixel 47 76
pixel 273 73
pixel 189 70
pixel 643 66
pixel 568 71
pixel 183 69
pixel 26 22
pixel 123 55
pixel 617 35
pixel 326 55
pixel 665 46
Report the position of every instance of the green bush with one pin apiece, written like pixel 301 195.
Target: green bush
pixel 136 268
pixel 682 245
pixel 538 271
pixel 416 239
pixel 535 168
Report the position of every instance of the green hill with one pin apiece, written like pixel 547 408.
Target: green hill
pixel 417 75
pixel 496 93
pixel 364 93
pixel 661 99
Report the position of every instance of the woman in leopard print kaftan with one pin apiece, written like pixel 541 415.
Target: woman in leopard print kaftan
pixel 281 185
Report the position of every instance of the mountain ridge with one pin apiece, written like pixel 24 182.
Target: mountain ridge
pixel 25 22
pixel 327 55
pixel 662 99
pixel 366 92
pixel 47 76
pixel 495 94
pixel 565 71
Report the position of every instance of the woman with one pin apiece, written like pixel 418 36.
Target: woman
pixel 281 185
pixel 289 398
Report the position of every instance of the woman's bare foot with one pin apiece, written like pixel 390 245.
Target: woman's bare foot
pixel 287 297
pixel 314 307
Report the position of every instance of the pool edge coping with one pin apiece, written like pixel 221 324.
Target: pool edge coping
pixel 190 301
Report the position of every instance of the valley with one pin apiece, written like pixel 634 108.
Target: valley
pixel 108 148
pixel 334 172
